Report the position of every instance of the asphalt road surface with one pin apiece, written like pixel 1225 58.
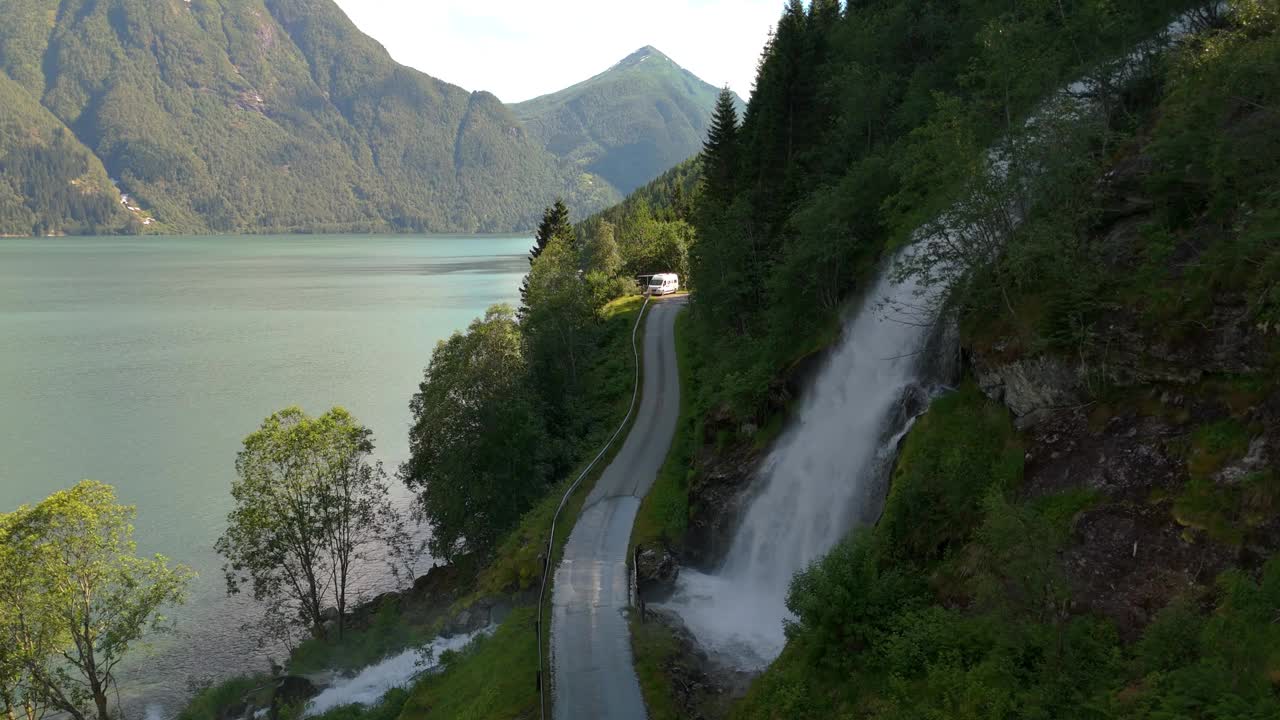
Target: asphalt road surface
pixel 592 674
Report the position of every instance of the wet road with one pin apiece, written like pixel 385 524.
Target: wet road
pixel 592 672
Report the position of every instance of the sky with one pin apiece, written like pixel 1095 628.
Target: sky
pixel 520 49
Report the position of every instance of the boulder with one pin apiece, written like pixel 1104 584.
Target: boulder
pixel 656 571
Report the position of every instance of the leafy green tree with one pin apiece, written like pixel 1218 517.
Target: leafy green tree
pixel 74 599
pixel 555 224
pixel 478 440
pixel 309 506
pixel 599 247
pixel 25 634
pixel 558 318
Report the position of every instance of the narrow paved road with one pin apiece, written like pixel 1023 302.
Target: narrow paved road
pixel 591 668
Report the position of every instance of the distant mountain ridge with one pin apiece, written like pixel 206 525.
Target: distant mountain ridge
pixel 627 124
pixel 259 116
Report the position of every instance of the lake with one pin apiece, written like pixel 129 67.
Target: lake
pixel 143 362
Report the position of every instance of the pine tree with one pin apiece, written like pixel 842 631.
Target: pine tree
pixel 555 223
pixel 720 151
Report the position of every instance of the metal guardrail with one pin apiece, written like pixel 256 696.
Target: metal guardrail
pixel 551 539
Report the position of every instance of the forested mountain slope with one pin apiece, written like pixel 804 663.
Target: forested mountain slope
pixel 259 116
pixel 629 123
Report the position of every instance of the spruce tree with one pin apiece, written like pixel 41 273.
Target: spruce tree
pixel 720 151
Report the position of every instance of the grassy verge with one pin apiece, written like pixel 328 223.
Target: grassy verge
pixel 211 702
pixel 654 648
pixel 390 632
pixel 491 678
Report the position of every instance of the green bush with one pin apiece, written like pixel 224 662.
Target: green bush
pixel 962 447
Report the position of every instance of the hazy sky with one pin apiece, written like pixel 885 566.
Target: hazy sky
pixel 519 49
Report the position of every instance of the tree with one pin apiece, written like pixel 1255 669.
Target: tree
pixel 478 439
pixel 555 224
pixel 24 633
pixel 557 318
pixel 75 598
pixel 309 505
pixel 599 248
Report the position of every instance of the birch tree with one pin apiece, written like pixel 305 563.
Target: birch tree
pixel 76 598
pixel 310 506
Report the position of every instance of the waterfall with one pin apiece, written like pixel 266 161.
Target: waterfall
pixel 828 472
pixel 825 475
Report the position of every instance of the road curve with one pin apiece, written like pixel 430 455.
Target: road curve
pixel 592 674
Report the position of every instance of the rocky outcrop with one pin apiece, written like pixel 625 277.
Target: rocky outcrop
pixel 717 499
pixel 1030 387
pixel 477 616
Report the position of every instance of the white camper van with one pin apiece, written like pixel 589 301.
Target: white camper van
pixel 664 284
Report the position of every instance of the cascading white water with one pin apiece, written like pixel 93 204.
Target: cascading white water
pixel 825 475
pixel 819 481
pixel 373 682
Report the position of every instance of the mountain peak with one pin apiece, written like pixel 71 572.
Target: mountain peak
pixel 641 55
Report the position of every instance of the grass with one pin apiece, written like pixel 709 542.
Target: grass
pixel 389 708
pixel 389 633
pixel 212 702
pixel 1227 512
pixel 654 647
pixel 1215 445
pixel 1060 510
pixel 491 679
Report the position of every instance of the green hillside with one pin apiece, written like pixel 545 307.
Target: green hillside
pixel 629 123
pixel 265 115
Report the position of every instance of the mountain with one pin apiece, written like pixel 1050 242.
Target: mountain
pixel 253 116
pixel 628 124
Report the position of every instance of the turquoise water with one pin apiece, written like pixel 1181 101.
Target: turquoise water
pixel 143 362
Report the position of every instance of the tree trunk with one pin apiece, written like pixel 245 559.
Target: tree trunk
pixel 100 700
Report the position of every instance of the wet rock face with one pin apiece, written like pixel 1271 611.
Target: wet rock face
pixel 656 573
pixel 716 502
pixel 1030 387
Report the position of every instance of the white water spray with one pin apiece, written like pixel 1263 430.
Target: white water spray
pixel 826 475
pixel 397 671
